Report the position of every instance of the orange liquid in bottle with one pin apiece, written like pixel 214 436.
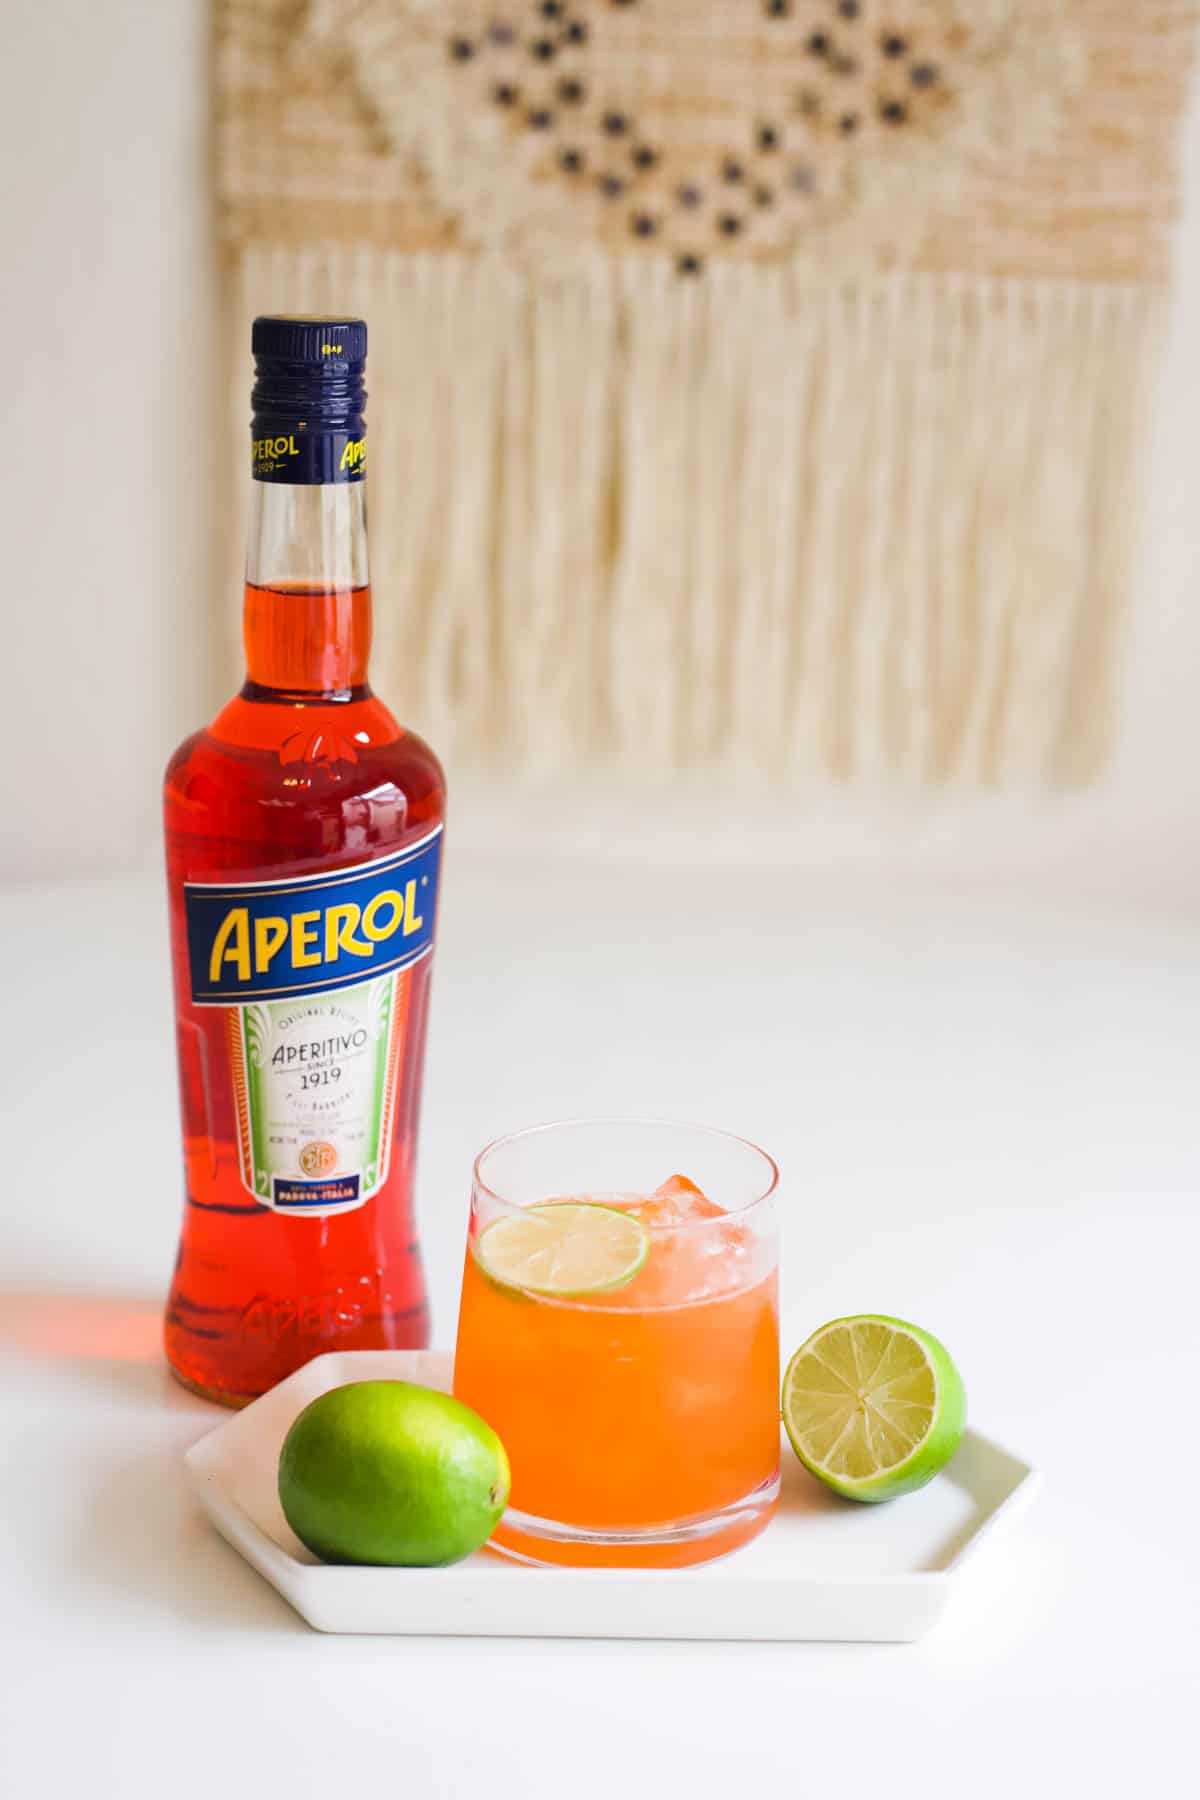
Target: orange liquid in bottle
pixel 304 772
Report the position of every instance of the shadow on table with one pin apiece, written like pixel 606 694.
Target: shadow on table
pixel 143 1532
pixel 114 1340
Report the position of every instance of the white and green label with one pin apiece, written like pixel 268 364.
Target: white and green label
pixel 315 1085
pixel 314 973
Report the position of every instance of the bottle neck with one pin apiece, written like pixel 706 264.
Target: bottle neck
pixel 307 617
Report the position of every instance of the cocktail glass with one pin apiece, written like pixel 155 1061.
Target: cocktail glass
pixel 641 1423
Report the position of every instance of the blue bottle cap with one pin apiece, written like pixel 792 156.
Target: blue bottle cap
pixel 333 342
pixel 308 399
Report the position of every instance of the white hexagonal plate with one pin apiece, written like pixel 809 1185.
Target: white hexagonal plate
pixel 824 1568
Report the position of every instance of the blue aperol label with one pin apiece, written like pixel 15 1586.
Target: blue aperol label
pixel 284 940
pixel 307 457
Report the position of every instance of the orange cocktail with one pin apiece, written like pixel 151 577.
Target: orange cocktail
pixel 640 1415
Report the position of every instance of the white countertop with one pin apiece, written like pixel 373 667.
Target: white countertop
pixel 986 1118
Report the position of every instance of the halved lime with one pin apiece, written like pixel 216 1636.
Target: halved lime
pixel 874 1407
pixel 565 1247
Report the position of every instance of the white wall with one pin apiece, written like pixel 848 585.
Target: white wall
pixel 113 402
pixel 109 401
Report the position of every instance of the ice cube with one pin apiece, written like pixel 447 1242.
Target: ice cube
pixel 677 1202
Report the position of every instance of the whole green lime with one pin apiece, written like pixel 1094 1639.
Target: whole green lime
pixel 388 1472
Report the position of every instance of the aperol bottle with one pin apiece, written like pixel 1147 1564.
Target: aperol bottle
pixel 303 832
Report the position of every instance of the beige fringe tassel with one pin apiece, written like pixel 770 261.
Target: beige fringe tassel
pixel 749 525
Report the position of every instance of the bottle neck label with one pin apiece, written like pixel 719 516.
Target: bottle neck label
pixel 301 456
pixel 307 424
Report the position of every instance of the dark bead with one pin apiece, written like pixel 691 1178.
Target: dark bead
pixel 809 103
pixel 848 124
pixel 844 65
pixel 849 9
pixel 644 157
pixel 570 92
pixel 611 186
pixel 818 44
pixel 540 119
pixel 643 225
pixel 923 75
pixel 763 196
pixel 543 49
pixel 462 49
pixel 615 124
pixel 551 9
pixel 689 265
pixel 777 9
pixel 500 33
pixel 733 171
pixel 571 161
pixel 892 44
pixel 768 137
pixel 622 2
pixel 893 112
pixel 505 94
pixel 730 224
pixel 688 195
pixel 576 32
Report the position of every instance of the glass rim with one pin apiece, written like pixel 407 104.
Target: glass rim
pixel 623 1121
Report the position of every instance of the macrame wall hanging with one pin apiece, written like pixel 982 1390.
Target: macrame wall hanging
pixel 757 386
